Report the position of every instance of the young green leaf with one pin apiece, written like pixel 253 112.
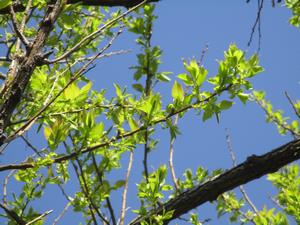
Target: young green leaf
pixel 225 105
pixel 186 79
pixel 4 3
pixel 177 91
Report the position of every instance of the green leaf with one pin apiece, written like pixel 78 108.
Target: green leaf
pixel 118 90
pixel 201 76
pixel 133 124
pixel 163 76
pixel 243 97
pixel 138 87
pixel 97 131
pixel 225 105
pixel 120 183
pixel 68 21
pixel 47 132
pixel 192 68
pixel 186 79
pixel 4 3
pixel 177 91
pixel 72 92
pixel 207 114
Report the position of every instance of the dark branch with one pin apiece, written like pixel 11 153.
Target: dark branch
pixel 26 65
pixel 253 168
pixel 12 214
pixel 125 3
pixel 18 7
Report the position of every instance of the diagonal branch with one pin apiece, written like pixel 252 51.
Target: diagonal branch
pixel 95 33
pixel 19 7
pixel 18 31
pixel 49 100
pixel 26 66
pixel 33 59
pixel 39 217
pixel 125 3
pixel 124 195
pixel 233 158
pixel 252 168
pixel 60 159
pixel 12 214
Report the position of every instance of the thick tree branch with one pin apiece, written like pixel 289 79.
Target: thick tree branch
pixel 253 168
pixel 18 7
pixel 26 66
pixel 32 59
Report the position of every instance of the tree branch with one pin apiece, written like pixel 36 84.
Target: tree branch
pixel 60 159
pixel 26 66
pixel 124 195
pixel 19 7
pixel 12 214
pixel 125 3
pixel 253 168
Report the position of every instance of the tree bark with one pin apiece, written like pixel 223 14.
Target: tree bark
pixel 253 168
pixel 25 66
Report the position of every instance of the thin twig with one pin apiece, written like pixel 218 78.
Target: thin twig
pixel 259 27
pixel 203 53
pixel 29 198
pixel 120 52
pixel 172 141
pixel 233 208
pixel 84 190
pixel 257 22
pixel 109 205
pixel 274 119
pixel 276 202
pixel 147 91
pixel 81 71
pixel 234 163
pixel 40 217
pixel 31 146
pixel 95 33
pixel 292 104
pixel 68 198
pixel 104 106
pixel 26 165
pixel 62 213
pixel 49 96
pixel 17 30
pixel 5 186
pixel 124 195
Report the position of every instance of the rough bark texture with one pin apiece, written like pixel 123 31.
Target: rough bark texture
pixel 254 167
pixel 25 67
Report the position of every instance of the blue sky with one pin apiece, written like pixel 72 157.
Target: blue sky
pixel 182 30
